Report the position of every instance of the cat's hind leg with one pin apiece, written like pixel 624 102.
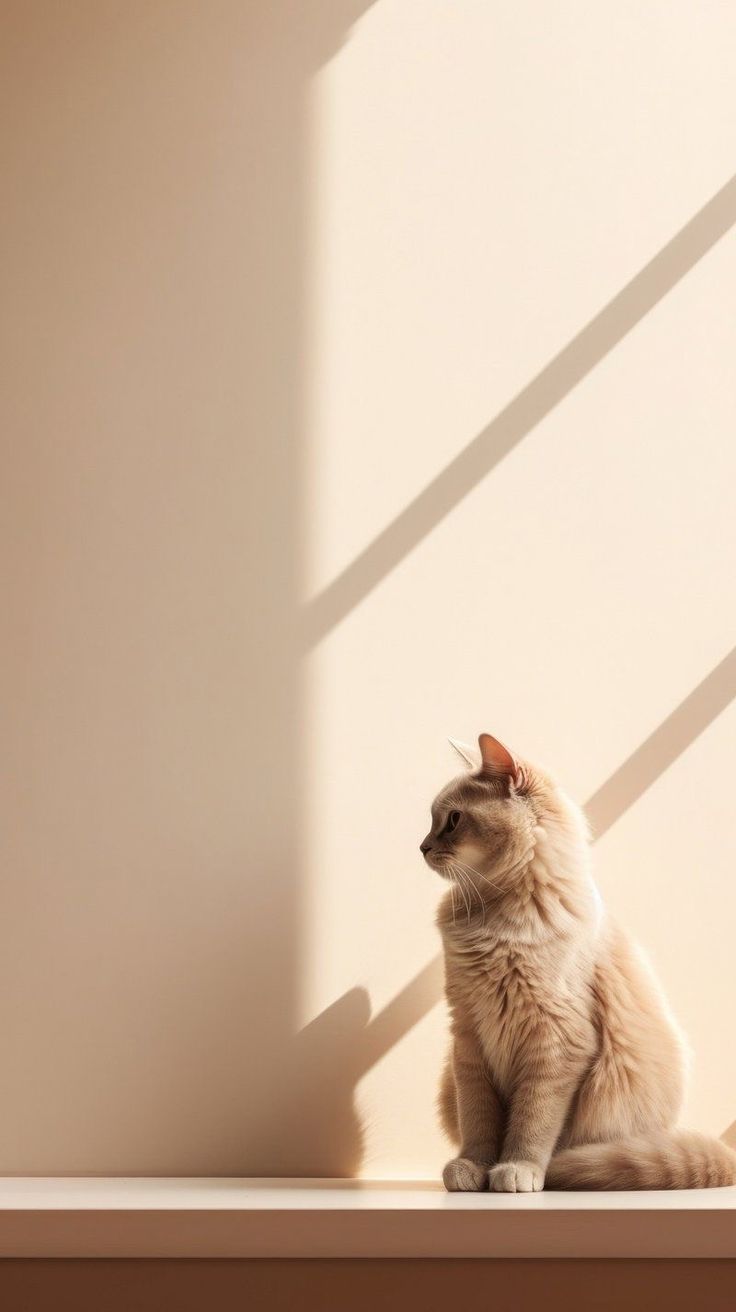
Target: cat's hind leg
pixel 447 1102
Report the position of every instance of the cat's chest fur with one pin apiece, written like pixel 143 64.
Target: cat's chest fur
pixel 507 992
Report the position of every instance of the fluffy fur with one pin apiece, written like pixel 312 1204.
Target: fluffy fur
pixel 566 1069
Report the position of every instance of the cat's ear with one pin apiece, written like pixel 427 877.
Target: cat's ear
pixel 466 753
pixel 498 760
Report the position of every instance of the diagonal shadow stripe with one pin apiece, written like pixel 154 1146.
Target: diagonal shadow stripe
pixel 668 741
pixel 729 1135
pixel 563 372
pixel 632 779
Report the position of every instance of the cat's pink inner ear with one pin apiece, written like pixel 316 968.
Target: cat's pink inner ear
pixel 496 758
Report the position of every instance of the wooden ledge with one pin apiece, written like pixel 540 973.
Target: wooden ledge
pixel 332 1218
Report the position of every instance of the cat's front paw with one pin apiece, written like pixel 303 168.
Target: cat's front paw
pixel 463 1176
pixel 516 1178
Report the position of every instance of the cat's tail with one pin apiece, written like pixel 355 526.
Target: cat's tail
pixel 666 1159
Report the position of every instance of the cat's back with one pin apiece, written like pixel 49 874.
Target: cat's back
pixel 628 997
pixel 637 1078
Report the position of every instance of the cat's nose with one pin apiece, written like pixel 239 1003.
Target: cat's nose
pixel 425 846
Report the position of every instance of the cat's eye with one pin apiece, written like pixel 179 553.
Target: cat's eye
pixel 453 820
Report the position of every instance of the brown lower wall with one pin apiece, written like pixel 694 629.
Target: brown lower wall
pixel 75 1285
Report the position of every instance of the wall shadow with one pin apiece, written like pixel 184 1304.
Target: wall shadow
pixel 157 162
pixel 563 372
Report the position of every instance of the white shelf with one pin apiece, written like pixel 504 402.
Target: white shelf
pixel 93 1217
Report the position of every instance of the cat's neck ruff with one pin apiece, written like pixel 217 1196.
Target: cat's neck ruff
pixel 549 894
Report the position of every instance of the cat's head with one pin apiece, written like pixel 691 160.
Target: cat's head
pixel 483 821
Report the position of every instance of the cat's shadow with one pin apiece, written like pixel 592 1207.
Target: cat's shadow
pixel 319 1130
pixel 308 1111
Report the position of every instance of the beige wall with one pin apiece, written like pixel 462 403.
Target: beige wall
pixel 368 379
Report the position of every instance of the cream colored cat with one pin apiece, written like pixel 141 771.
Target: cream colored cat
pixel 567 1069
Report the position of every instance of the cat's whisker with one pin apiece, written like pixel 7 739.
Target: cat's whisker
pixel 466 899
pixel 472 892
pixel 462 880
pixel 461 886
pixel 472 871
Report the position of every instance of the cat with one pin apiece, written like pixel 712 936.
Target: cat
pixel 566 1069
